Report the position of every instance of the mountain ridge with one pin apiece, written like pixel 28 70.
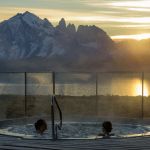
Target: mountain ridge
pixel 28 42
pixel 28 30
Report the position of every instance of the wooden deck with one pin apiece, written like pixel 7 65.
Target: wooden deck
pixel 136 143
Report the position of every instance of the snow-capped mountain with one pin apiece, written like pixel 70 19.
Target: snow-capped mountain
pixel 26 36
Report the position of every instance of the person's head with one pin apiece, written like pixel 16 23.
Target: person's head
pixel 107 127
pixel 40 126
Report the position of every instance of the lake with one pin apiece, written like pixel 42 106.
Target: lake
pixel 76 84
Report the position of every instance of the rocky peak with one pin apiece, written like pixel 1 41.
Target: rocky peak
pixel 31 19
pixel 71 28
pixel 89 29
pixel 90 33
pixel 62 25
pixel 47 23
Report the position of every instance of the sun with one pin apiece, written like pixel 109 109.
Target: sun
pixel 138 89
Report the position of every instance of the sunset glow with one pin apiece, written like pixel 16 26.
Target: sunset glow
pixel 135 37
pixel 138 89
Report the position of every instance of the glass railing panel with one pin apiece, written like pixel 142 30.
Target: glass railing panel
pixel 120 95
pixel 39 91
pixel 76 94
pixel 146 95
pixel 12 95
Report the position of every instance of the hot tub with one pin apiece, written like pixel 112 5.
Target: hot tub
pixel 73 130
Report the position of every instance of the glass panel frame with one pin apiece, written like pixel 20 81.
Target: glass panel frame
pixel 12 95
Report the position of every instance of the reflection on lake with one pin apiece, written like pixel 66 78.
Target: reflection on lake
pixel 138 88
pixel 124 88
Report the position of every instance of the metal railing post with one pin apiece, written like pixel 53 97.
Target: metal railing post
pixel 96 92
pixel 53 77
pixel 142 105
pixel 25 76
pixel 55 126
pixel 52 108
pixel 53 118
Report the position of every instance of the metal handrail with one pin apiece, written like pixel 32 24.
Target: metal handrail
pixel 55 126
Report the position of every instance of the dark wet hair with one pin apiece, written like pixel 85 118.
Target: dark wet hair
pixel 40 125
pixel 107 125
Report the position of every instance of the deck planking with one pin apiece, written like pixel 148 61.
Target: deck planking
pixel 14 143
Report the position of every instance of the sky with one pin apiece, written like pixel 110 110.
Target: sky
pixel 121 19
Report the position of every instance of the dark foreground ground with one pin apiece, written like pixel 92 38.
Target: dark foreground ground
pixel 12 143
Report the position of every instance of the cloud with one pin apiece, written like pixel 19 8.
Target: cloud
pixel 111 15
pixel 139 9
pixel 51 14
pixel 135 36
pixel 137 3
